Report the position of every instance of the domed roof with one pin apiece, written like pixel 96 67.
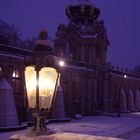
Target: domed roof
pixel 82 13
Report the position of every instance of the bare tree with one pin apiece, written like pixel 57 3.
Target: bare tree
pixel 9 34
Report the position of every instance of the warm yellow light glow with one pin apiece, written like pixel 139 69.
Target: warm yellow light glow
pixel 47 81
pixel 30 78
pixel 15 74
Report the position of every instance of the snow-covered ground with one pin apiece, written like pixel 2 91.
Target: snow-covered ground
pixel 65 136
pixel 93 127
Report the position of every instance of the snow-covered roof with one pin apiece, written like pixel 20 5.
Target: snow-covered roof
pixel 122 76
pixel 45 42
pixel 9 55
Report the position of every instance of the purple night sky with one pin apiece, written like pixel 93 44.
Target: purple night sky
pixel 122 20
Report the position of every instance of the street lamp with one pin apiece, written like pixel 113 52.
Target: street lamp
pixel 40 85
pixel 61 63
pixel 43 82
pixel 41 78
pixel 125 76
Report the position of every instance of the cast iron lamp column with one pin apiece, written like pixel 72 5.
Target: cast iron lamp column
pixel 41 85
pixel 42 76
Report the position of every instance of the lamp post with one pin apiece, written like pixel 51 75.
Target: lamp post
pixel 41 86
pixel 41 77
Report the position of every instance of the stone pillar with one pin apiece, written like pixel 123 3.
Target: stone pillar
pixel 95 95
pixel 104 56
pixel 105 91
pixel 8 115
pixel 92 55
pixel 82 94
pixel 82 53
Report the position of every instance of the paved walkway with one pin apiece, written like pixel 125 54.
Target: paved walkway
pixel 125 127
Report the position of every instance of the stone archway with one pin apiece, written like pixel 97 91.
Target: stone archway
pixel 130 100
pixel 137 100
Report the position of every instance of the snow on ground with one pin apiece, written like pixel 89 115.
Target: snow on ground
pixel 64 136
pixel 125 127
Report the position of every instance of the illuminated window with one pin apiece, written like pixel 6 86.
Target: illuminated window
pixel 16 81
pixel 0 71
pixel 15 74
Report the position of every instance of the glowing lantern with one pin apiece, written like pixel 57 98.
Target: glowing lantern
pixel 46 85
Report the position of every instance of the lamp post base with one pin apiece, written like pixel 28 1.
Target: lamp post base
pixel 39 128
pixel 38 131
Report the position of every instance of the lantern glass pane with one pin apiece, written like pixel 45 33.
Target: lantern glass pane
pixel 30 79
pixel 47 82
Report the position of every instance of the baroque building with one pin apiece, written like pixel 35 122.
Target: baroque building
pixel 90 84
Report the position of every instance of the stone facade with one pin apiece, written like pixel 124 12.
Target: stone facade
pixel 89 82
